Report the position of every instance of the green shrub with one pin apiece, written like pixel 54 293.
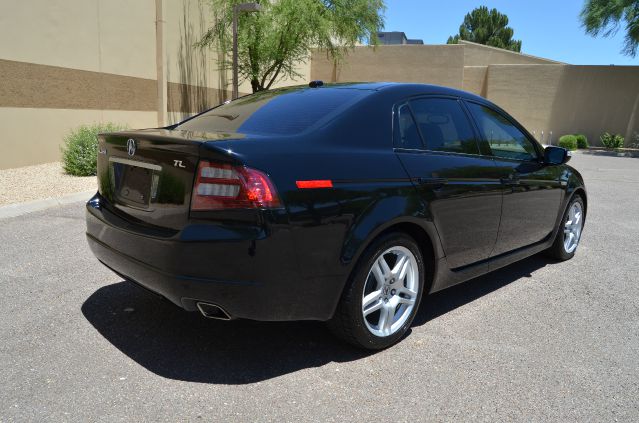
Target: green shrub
pixel 568 142
pixel 582 141
pixel 612 141
pixel 80 149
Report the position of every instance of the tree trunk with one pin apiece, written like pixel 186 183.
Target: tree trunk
pixel 255 85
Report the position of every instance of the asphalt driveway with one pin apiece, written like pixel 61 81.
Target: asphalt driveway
pixel 538 340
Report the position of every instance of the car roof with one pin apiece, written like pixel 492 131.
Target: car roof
pixel 404 89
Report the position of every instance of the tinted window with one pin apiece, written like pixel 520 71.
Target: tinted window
pixel 406 134
pixel 444 125
pixel 504 139
pixel 279 112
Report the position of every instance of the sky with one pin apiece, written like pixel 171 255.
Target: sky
pixel 549 29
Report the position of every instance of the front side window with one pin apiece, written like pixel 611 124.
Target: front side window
pixel 504 139
pixel 444 125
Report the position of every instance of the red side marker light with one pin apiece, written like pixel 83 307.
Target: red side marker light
pixel 318 183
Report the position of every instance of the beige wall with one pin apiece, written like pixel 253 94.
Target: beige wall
pixel 568 99
pixel 112 36
pixel 31 136
pixel 68 62
pixel 481 55
pixel 542 94
pixel 475 79
pixel 442 65
pixel 458 65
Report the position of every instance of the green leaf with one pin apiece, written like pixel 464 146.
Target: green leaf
pixel 488 27
pixel 80 148
pixel 272 42
pixel 605 17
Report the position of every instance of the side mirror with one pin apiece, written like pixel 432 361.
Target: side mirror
pixel 556 155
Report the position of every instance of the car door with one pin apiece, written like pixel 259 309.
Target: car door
pixel 532 192
pixel 437 145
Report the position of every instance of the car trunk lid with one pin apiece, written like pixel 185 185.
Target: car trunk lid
pixel 148 175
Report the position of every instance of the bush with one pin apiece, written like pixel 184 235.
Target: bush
pixel 568 142
pixel 80 149
pixel 582 141
pixel 612 141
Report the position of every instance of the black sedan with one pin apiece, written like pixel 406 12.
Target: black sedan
pixel 342 203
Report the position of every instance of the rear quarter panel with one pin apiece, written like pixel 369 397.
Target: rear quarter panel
pixel 371 192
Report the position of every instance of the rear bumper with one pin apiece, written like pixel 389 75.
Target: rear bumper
pixel 250 273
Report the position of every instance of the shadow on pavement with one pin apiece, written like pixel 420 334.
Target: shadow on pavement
pixel 449 299
pixel 185 346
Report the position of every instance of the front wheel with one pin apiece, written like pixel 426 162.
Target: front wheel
pixel 381 299
pixel 569 233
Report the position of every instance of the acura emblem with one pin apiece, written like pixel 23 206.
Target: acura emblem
pixel 130 146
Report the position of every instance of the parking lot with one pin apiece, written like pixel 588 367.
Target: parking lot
pixel 538 340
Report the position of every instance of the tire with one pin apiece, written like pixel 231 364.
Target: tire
pixel 571 226
pixel 391 304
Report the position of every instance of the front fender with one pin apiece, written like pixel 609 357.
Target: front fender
pixel 573 182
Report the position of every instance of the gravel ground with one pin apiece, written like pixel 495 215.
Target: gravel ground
pixel 40 181
pixel 535 341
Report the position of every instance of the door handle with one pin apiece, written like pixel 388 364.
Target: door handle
pixel 511 179
pixel 436 183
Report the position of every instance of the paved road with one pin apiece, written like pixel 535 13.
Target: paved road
pixel 535 341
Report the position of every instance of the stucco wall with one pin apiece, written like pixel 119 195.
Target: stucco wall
pixel 441 65
pixel 568 99
pixel 475 79
pixel 481 55
pixel 111 36
pixel 69 62
pixel 33 135
pixel 544 95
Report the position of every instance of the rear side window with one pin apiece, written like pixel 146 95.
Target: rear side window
pixel 444 125
pixel 504 139
pixel 279 112
pixel 406 133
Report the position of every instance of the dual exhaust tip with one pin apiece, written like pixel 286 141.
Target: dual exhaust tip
pixel 212 311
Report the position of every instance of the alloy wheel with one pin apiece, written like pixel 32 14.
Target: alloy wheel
pixel 391 291
pixel 572 227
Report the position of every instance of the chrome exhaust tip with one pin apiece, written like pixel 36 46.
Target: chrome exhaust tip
pixel 212 311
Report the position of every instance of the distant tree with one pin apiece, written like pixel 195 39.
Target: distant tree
pixel 605 16
pixel 487 27
pixel 272 42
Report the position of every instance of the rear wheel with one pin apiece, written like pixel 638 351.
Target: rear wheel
pixel 569 234
pixel 382 297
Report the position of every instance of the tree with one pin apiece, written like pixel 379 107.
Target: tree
pixel 272 42
pixel 605 17
pixel 487 27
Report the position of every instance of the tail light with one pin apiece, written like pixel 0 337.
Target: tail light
pixel 223 186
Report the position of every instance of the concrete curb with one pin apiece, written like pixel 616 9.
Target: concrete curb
pixel 608 153
pixel 18 209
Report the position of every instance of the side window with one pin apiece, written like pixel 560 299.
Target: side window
pixel 504 139
pixel 444 125
pixel 406 134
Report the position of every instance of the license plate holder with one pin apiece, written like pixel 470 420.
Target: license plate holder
pixel 132 181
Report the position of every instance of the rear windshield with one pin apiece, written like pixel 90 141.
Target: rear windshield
pixel 280 112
